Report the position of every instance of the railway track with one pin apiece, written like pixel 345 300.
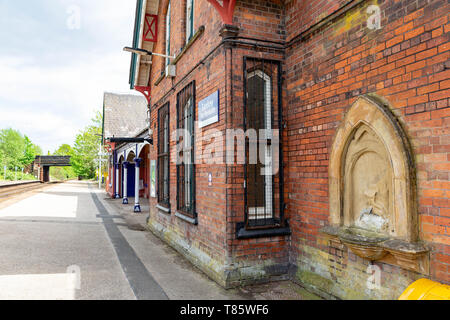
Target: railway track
pixel 11 189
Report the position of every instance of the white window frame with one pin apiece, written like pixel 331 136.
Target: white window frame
pixel 189 19
pixel 168 31
pixel 257 213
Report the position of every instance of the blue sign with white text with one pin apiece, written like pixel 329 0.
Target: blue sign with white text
pixel 208 110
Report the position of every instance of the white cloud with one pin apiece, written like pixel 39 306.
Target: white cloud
pixel 45 129
pixel 50 92
pixel 57 102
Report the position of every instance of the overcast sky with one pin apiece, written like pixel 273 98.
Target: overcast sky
pixel 56 64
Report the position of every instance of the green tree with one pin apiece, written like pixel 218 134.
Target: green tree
pixel 16 151
pixel 63 173
pixel 63 150
pixel 2 158
pixel 12 146
pixel 30 152
pixel 86 149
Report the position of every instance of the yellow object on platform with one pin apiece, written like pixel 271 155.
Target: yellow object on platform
pixel 424 289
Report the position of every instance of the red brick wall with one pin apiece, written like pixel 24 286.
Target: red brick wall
pixel 250 251
pixel 209 235
pixel 300 15
pixel 407 63
pixel 221 205
pixel 261 19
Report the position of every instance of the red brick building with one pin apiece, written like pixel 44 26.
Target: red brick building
pixel 125 120
pixel 357 92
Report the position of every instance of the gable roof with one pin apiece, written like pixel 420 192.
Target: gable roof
pixel 124 115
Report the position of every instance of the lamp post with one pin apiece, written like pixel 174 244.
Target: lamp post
pixel 144 52
pixel 100 159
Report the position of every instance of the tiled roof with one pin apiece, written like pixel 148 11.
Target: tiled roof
pixel 124 115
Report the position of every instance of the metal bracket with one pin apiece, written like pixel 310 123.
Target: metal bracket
pixel 226 10
pixel 146 91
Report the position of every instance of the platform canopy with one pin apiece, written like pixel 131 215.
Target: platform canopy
pixel 129 140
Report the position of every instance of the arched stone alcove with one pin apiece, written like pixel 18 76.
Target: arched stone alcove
pixel 372 186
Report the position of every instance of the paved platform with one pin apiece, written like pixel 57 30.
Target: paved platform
pixel 70 241
pixel 172 268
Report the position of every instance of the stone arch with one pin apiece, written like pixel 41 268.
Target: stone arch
pixel 141 147
pixel 144 154
pixel 372 115
pixel 131 156
pixel 127 153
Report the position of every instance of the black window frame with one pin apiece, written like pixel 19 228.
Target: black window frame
pixel 183 97
pixel 277 222
pixel 162 155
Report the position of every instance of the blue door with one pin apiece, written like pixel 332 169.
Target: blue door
pixel 131 178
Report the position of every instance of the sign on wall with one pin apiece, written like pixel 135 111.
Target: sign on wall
pixel 151 28
pixel 153 178
pixel 208 110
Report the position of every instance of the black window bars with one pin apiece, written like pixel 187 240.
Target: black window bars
pixel 264 203
pixel 164 156
pixel 185 162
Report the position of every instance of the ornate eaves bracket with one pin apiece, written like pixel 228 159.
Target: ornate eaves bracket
pixel 226 10
pixel 146 91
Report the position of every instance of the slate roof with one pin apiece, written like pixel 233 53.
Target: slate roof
pixel 124 115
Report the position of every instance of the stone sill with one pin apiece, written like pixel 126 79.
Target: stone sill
pixel 160 78
pixel 163 209
pixel 185 218
pixel 183 51
pixel 196 35
pixel 242 233
pixel 406 255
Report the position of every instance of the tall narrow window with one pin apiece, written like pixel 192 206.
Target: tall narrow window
pixel 259 116
pixel 189 19
pixel 168 27
pixel 185 154
pixel 264 195
pixel 163 156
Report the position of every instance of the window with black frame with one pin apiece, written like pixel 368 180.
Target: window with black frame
pixel 185 154
pixel 163 156
pixel 263 170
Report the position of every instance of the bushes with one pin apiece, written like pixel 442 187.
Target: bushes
pixel 16 150
pixel 62 173
pixel 11 176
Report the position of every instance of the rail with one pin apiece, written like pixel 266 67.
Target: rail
pixel 9 189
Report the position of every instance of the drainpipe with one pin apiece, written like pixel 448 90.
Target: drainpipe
pixel 125 183
pixel 137 206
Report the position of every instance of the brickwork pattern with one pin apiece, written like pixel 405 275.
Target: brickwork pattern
pixel 406 63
